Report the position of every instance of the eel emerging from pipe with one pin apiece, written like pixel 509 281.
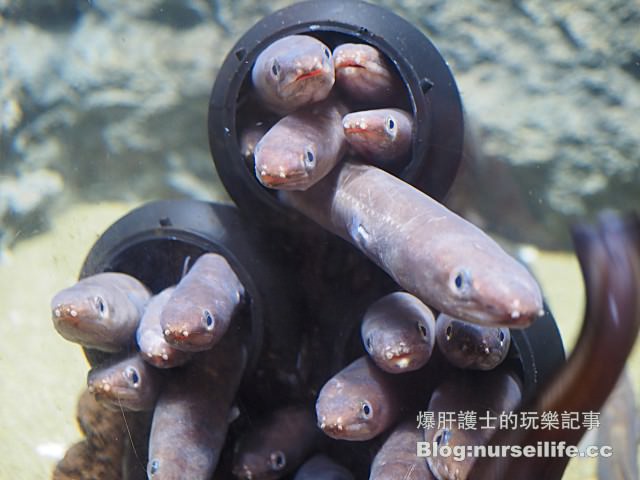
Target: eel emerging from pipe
pixel 432 253
pixel 293 72
pixel 609 256
pixel 398 332
pixel 363 73
pixel 467 345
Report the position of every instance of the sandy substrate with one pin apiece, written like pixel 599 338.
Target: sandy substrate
pixel 42 374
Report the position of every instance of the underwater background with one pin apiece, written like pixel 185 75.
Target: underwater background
pixel 103 106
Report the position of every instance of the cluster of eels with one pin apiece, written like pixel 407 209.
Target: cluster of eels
pixel 436 346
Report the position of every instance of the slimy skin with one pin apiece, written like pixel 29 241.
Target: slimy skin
pixel 131 384
pixel 321 467
pixel 467 345
pixel 445 261
pixel 358 403
pixel 153 347
pixel 101 311
pixel 301 148
pixel 278 445
pixel 190 420
pixel 397 459
pixel 200 309
pixel 481 392
pixel 380 136
pixel 292 72
pixel 363 73
pixel 398 332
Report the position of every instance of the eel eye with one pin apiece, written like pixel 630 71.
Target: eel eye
pixel 367 410
pixel 102 308
pixel 442 437
pixel 278 460
pixel 369 344
pixel 422 329
pixel 153 467
pixel 209 321
pixel 275 68
pixel 501 337
pixel 462 281
pixel 310 157
pixel 391 124
pixel 449 333
pixel 133 376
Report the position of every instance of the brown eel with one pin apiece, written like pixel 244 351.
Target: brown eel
pixel 609 256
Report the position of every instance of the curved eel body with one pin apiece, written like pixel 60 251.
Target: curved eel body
pixel 363 73
pixel 445 261
pixel 292 72
pixel 101 311
pixel 131 384
pixel 321 467
pixel 381 136
pixel 277 446
pixel 358 403
pixel 301 148
pixel 486 394
pixel 397 459
pixel 398 332
pixel 467 345
pixel 190 420
pixel 200 309
pixel 609 256
pixel 150 338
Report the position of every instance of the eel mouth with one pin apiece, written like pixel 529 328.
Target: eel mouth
pixel 290 181
pixel 355 130
pixel 347 63
pixel 402 361
pixel 338 430
pixel 311 74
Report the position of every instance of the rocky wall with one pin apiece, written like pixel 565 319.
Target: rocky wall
pixel 108 100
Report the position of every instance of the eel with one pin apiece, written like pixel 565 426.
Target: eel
pixel 131 383
pixel 201 307
pixel 190 420
pixel 381 136
pixel 609 257
pixel 101 311
pixel 150 338
pixel 432 253
pixel 398 459
pixel 467 345
pixel 278 445
pixel 358 403
pixel 293 72
pixel 486 394
pixel 398 332
pixel 321 467
pixel 364 74
pixel 301 148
